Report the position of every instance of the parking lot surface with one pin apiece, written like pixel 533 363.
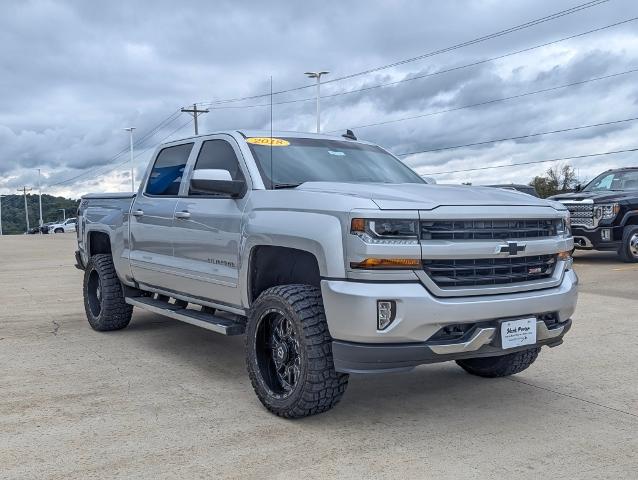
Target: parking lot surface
pixel 162 399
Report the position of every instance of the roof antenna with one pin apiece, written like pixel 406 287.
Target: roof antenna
pixel 272 180
pixel 349 134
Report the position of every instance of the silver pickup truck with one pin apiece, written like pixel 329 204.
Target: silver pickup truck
pixel 332 257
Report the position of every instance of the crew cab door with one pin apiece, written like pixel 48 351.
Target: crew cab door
pixel 207 228
pixel 151 219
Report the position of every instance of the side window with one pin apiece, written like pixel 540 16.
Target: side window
pixel 219 155
pixel 168 169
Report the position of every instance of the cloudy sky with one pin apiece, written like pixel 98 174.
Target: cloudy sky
pixel 75 73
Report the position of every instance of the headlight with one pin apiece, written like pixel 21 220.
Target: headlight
pixel 606 211
pixel 564 227
pixel 385 230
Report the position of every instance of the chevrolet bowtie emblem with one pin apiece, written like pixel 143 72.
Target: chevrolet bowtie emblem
pixel 512 248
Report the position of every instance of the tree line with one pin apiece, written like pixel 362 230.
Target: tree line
pixel 13 218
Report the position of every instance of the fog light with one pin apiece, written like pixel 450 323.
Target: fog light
pixel 386 312
pixel 605 234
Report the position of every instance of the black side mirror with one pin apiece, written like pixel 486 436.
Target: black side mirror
pixel 578 188
pixel 216 182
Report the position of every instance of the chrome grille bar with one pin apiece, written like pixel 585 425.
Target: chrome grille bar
pixel 489 271
pixel 489 229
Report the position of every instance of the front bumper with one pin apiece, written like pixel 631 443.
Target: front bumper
pixel 483 341
pixel 592 239
pixel 351 312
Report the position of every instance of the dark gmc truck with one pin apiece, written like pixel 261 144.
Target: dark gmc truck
pixel 604 214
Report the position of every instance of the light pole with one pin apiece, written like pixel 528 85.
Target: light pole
pixel 63 214
pixel 1 213
pixel 24 190
pixel 40 200
pixel 317 75
pixel 130 131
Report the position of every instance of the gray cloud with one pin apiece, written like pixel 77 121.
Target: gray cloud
pixel 75 73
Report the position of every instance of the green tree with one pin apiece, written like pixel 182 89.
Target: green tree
pixel 13 219
pixel 558 179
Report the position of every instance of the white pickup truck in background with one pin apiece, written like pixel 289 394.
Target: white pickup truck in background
pixel 66 226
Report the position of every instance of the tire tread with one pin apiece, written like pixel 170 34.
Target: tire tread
pixel 116 313
pixel 502 366
pixel 323 386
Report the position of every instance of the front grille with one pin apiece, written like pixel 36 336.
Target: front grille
pixel 489 271
pixel 488 229
pixel 582 214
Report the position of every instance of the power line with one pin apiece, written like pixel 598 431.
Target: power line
pixel 490 36
pixel 163 124
pixel 476 40
pixel 487 102
pixel 115 167
pixel 534 162
pixel 431 74
pixel 518 137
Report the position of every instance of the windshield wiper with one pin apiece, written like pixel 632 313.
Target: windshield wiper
pixel 276 186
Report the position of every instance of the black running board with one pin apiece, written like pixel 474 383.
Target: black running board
pixel 215 323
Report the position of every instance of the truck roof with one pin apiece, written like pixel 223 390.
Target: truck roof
pixel 267 133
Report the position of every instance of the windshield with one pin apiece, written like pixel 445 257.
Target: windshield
pixel 621 180
pixel 299 160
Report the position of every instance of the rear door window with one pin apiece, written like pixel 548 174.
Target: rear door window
pixel 167 171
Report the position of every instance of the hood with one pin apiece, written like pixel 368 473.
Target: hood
pixel 414 196
pixel 598 197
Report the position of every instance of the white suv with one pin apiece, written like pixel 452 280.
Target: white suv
pixel 65 227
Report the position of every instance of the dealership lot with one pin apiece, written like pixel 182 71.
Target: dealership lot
pixel 162 399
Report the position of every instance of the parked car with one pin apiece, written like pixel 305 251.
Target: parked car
pixel 65 227
pixel 332 257
pixel 604 214
pixel 530 190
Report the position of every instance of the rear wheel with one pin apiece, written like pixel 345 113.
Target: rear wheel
pixel 104 301
pixel 501 366
pixel 629 249
pixel 289 353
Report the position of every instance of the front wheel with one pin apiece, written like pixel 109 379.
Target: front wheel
pixel 629 249
pixel 501 366
pixel 289 353
pixel 58 230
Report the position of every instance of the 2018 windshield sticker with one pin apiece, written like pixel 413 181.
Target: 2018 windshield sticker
pixel 275 142
pixel 338 154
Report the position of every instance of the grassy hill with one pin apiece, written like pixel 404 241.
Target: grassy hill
pixel 13 221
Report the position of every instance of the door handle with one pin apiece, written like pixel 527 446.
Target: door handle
pixel 138 213
pixel 182 215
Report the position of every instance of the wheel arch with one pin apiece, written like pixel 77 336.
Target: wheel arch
pixel 98 242
pixel 630 218
pixel 272 265
pixel 312 241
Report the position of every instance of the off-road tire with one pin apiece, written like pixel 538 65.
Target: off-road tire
pixel 629 239
pixel 319 386
pixel 108 310
pixel 501 366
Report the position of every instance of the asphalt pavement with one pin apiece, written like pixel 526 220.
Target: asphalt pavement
pixel 162 399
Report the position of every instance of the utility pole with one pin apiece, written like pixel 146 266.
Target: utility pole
pixel 130 130
pixel 40 199
pixel 317 75
pixel 195 113
pixel 1 214
pixel 24 190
